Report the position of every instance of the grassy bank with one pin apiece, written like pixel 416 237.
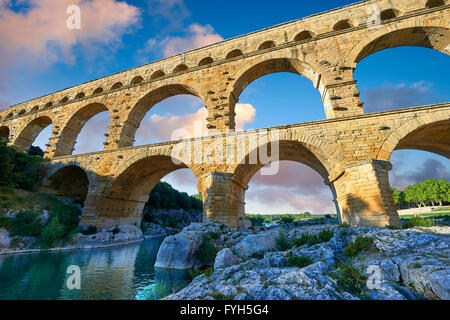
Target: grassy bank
pixel 36 220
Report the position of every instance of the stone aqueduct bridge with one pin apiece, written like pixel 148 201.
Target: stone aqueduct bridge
pixel 350 149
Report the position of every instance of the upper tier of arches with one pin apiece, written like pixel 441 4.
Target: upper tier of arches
pixel 304 32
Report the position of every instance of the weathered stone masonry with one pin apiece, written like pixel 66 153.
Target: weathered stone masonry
pixel 350 149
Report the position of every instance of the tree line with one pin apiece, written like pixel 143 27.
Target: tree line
pixel 163 196
pixel 19 169
pixel 427 192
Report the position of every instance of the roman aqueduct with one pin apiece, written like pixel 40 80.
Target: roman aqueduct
pixel 349 149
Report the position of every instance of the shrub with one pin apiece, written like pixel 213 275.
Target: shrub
pixel 207 272
pixel 207 252
pixel 298 242
pixel 17 168
pixel 256 220
pixel 286 218
pixel 299 261
pixel 6 222
pixel 392 227
pixel 312 239
pixel 418 222
pixel 67 215
pixel 89 230
pixel 213 235
pixel 257 255
pixel 144 227
pixel 344 225
pixel 282 242
pixel 27 224
pixel 357 246
pixel 350 279
pixel 53 232
pixel 116 230
pixel 158 290
pixel 216 295
pixel 326 235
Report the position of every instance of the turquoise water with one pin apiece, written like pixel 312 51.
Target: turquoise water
pixel 113 273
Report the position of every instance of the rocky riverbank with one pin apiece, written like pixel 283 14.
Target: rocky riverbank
pixel 120 235
pixel 316 261
pixel 169 221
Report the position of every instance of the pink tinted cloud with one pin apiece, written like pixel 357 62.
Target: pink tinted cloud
pixel 92 135
pixel 293 175
pixel 39 34
pixel 295 188
pixel 172 127
pixel 196 36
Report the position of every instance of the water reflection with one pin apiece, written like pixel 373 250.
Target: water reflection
pixel 114 273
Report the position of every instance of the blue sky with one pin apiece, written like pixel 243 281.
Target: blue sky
pixel 129 33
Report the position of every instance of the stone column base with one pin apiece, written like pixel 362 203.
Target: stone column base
pixel 223 200
pixel 364 195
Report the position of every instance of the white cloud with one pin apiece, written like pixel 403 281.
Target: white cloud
pixel 162 127
pixel 195 36
pixel 40 33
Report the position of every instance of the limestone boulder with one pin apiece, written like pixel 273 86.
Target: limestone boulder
pixel 225 258
pixel 263 241
pixel 117 235
pixel 179 251
pixel 5 240
pixel 154 230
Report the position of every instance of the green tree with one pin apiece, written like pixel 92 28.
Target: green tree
pixel 399 198
pixel 27 224
pixel 163 196
pixel 53 232
pixel 17 168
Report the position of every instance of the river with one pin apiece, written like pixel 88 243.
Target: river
pixel 110 273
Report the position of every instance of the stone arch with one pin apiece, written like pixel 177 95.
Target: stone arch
pixel 66 180
pixel 80 95
pixel 4 132
pixel 401 34
pixel 73 126
pixel 136 80
pixel 64 100
pixel 35 108
pixel 304 35
pixel 48 105
pixel 21 112
pixel 157 74
pixel 97 91
pixel 130 190
pixel 146 103
pixel 426 133
pixel 291 150
pixel 117 85
pixel 179 68
pixel 267 45
pixel 205 61
pixel 434 3
pixel 234 53
pixel 9 115
pixel 266 67
pixel 342 25
pixel 389 14
pixel 29 133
